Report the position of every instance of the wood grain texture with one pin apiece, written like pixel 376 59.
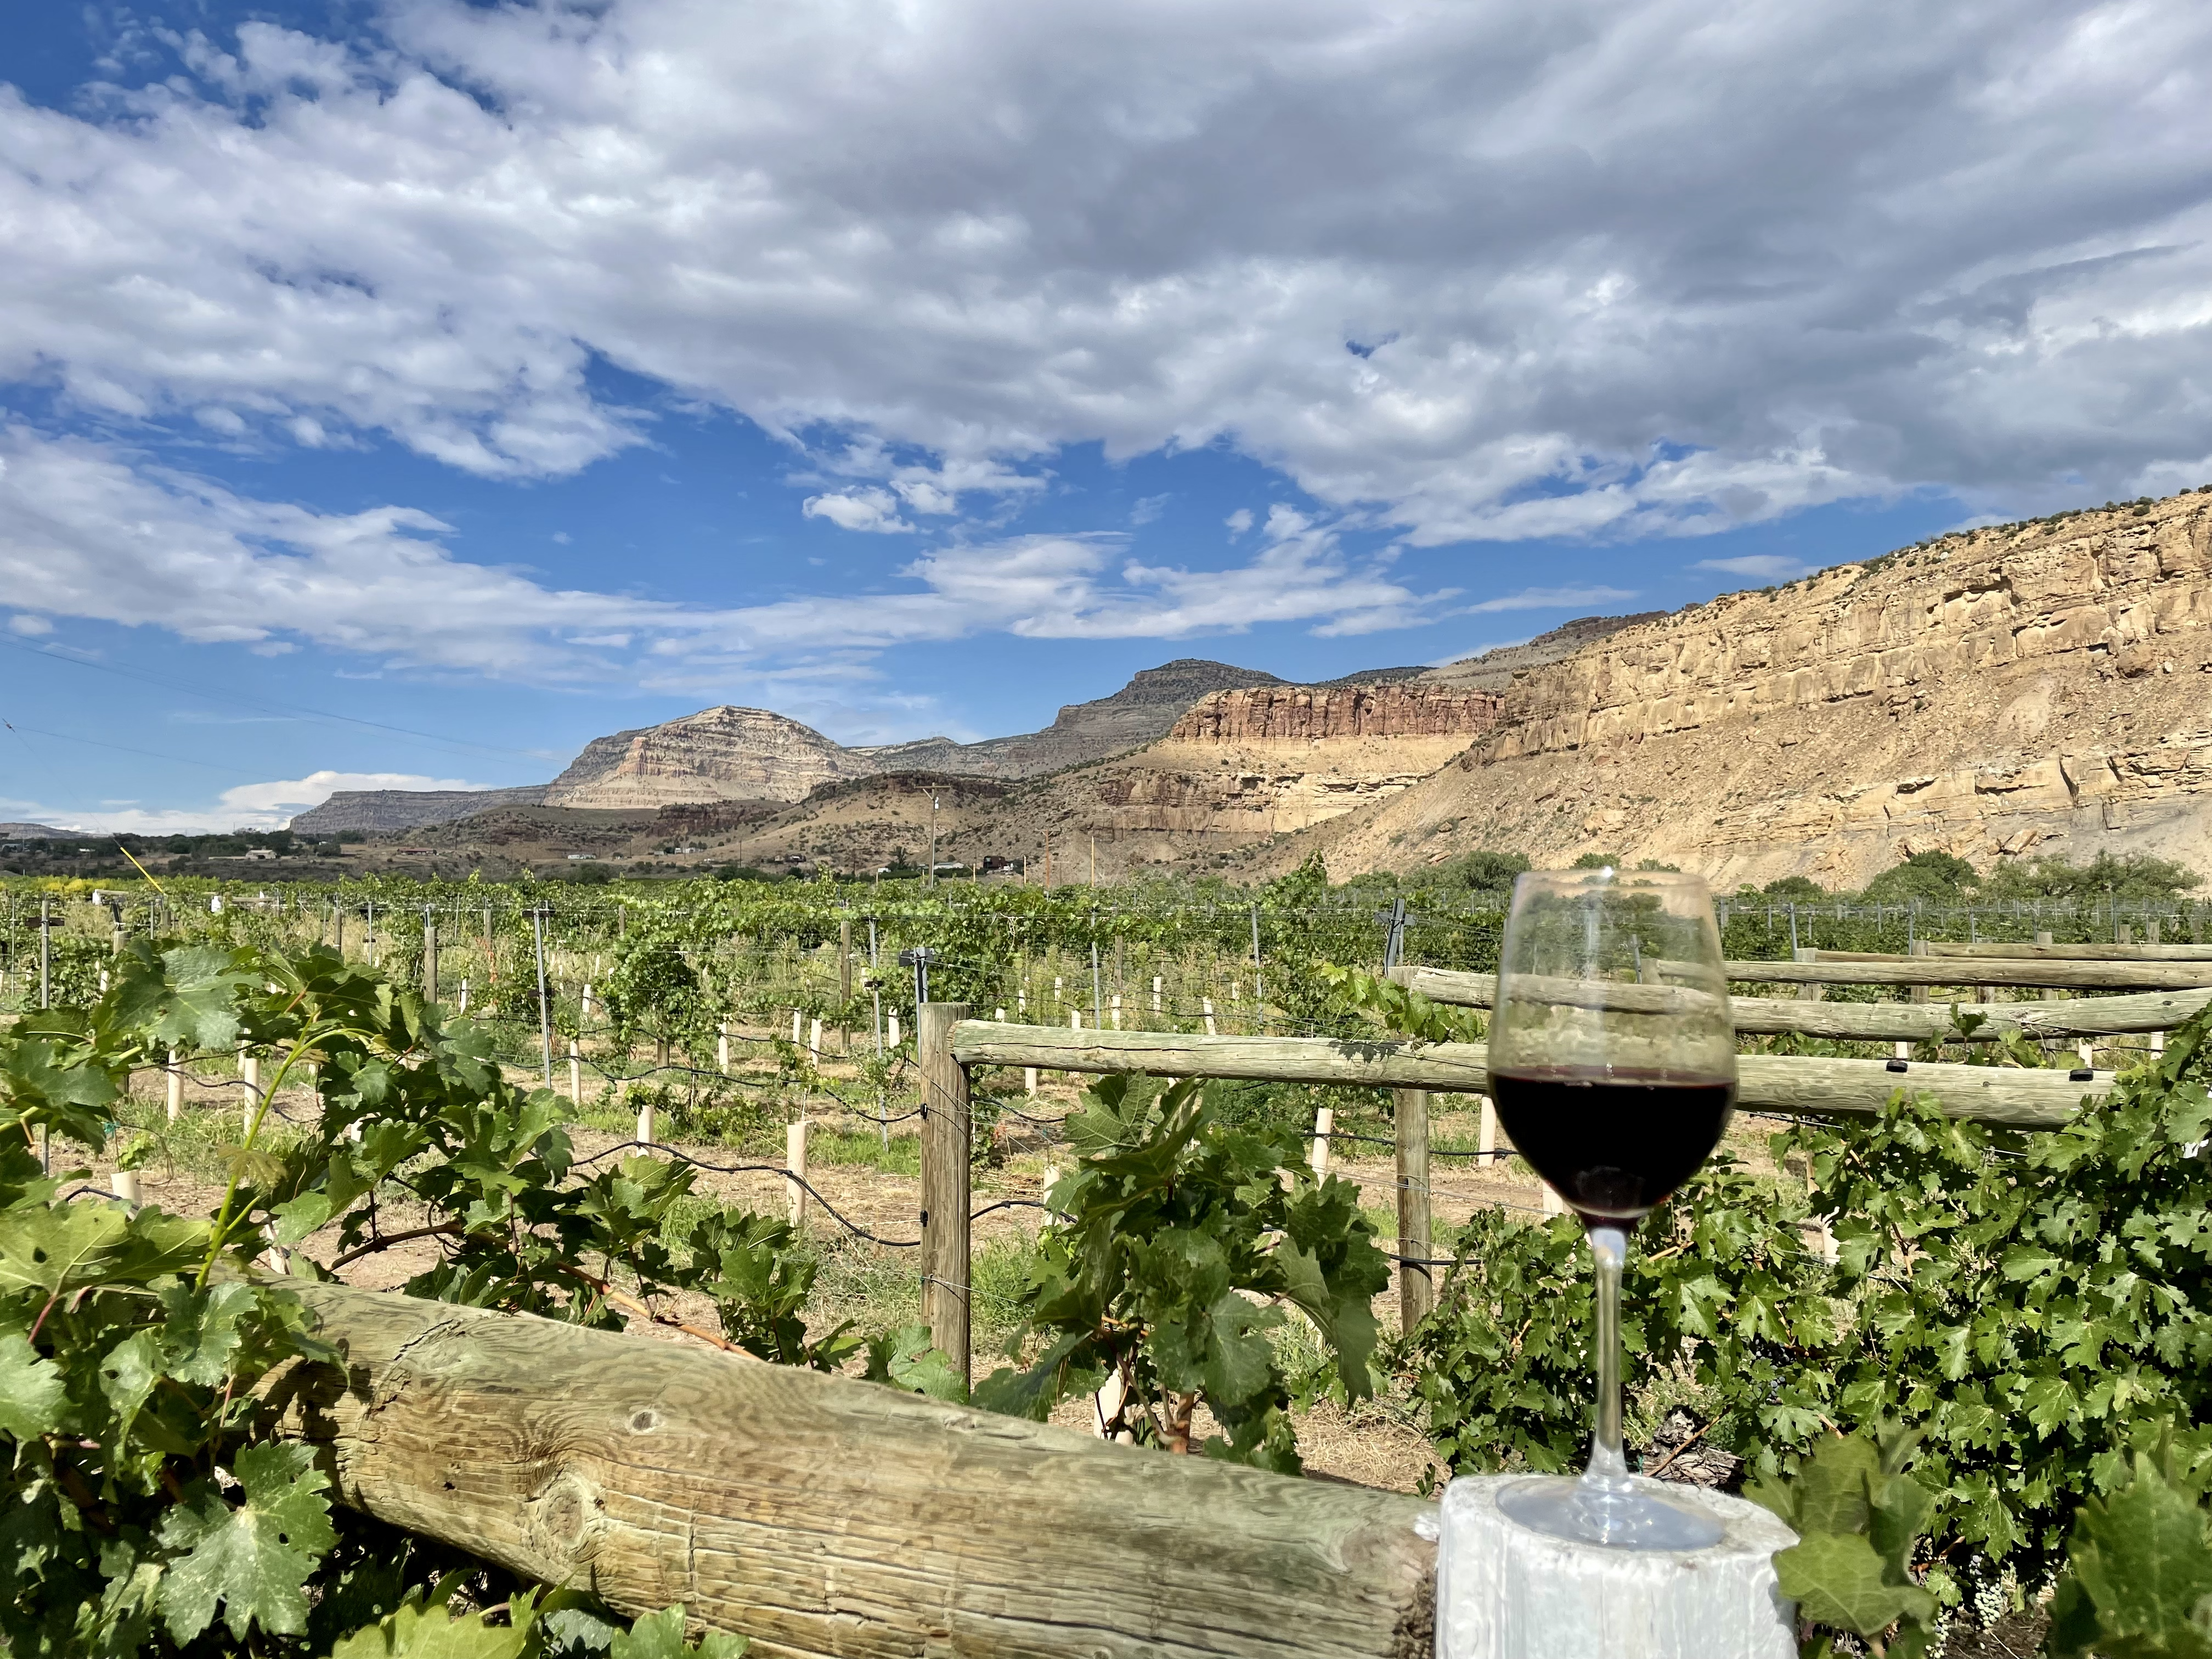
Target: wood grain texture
pixel 1876 1022
pixel 946 1129
pixel 2076 952
pixel 2130 975
pixel 1765 1082
pixel 822 1515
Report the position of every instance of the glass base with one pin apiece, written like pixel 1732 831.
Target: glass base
pixel 1620 1515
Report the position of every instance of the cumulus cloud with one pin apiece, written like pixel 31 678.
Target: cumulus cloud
pixel 83 533
pixel 858 509
pixel 1637 266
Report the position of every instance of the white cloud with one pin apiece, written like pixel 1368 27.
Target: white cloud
pixel 1238 522
pixel 966 232
pixel 247 806
pixel 298 795
pixel 858 509
pixel 29 626
pixel 1761 567
pixel 1547 598
pixel 84 534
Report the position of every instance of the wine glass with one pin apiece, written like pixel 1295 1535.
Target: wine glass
pixel 1613 1066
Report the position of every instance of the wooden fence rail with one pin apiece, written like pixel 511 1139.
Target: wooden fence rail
pixel 1886 1022
pixel 822 1515
pixel 2070 974
pixel 1772 1083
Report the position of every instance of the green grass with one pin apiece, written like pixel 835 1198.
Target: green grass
pixel 865 1150
pixel 200 1142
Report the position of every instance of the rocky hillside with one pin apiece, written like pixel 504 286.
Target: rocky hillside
pixel 731 754
pixel 381 812
pixel 1493 671
pixel 1141 711
pixel 2037 687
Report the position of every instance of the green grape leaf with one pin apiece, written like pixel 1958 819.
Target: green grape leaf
pixel 32 1391
pixel 416 1632
pixel 201 1330
pixel 660 1636
pixel 47 1248
pixel 302 1216
pixel 905 1358
pixel 190 1000
pixel 2140 1559
pixel 1838 1579
pixel 253 1559
pixel 127 1376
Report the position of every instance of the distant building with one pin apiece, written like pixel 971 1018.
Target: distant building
pixel 261 851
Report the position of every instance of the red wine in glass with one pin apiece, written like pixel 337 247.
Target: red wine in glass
pixel 1611 1062
pixel 1611 1145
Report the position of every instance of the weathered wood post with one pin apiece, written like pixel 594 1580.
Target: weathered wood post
pixel 1805 992
pixel 1416 1292
pixel 945 1137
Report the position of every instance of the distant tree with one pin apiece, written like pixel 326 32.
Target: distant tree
pixel 1596 862
pixel 1795 889
pixel 1935 877
pixel 1307 882
pixel 2134 879
pixel 1483 873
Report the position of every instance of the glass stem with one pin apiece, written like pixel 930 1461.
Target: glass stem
pixel 1608 1463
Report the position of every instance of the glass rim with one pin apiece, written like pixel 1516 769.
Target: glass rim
pixel 1608 875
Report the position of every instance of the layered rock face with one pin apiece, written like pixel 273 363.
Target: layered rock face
pixel 717 754
pixel 2045 687
pixel 379 811
pixel 1144 709
pixel 1317 712
pixel 731 754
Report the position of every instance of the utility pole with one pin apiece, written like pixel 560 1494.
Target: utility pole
pixel 933 841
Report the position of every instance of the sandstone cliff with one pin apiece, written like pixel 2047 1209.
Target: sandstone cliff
pixel 1342 711
pixel 717 754
pixel 749 754
pixel 2039 687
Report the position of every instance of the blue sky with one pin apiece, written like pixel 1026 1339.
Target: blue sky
pixel 406 394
